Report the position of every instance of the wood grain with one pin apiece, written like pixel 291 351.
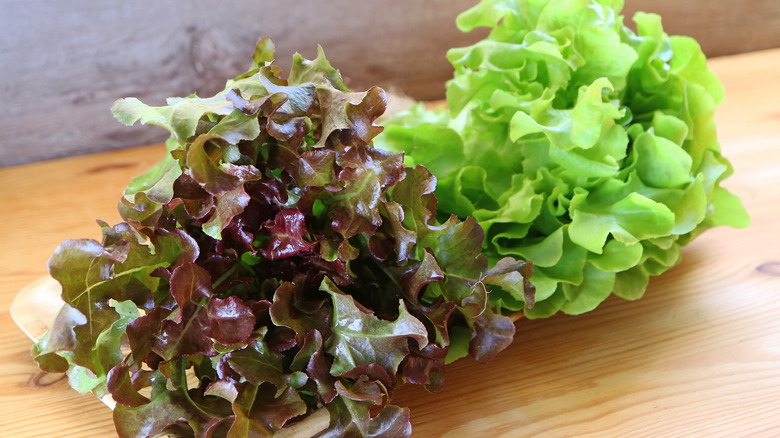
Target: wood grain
pixel 699 355
pixel 62 64
pixel 722 27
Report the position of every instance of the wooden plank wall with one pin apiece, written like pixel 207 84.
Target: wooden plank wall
pixel 63 63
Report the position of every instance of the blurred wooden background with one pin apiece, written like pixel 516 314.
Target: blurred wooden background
pixel 63 63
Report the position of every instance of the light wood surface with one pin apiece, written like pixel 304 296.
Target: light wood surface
pixel 63 63
pixel 699 355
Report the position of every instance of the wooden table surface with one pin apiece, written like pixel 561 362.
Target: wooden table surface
pixel 699 355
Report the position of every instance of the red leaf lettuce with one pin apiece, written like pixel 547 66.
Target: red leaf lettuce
pixel 274 263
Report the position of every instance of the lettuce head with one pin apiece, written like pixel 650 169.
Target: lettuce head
pixel 576 143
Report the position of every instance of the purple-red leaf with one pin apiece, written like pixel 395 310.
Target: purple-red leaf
pixel 314 168
pixel 121 387
pixel 426 367
pixel 61 337
pixel 367 174
pixel 405 239
pixel 285 312
pixel 189 283
pixel 142 330
pixel 361 390
pixel 492 334
pixel 203 160
pixel 229 204
pixel 438 314
pixel 188 337
pixel 318 369
pixel 366 112
pixel 415 276
pixel 187 192
pixel 287 235
pixel 230 320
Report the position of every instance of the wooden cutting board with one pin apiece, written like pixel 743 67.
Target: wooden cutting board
pixel 699 355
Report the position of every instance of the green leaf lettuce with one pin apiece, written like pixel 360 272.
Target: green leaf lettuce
pixel 577 143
